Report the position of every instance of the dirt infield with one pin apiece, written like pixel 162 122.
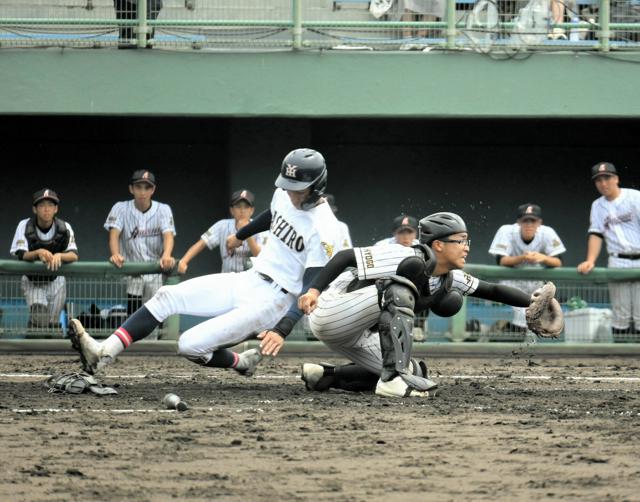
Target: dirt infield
pixel 500 429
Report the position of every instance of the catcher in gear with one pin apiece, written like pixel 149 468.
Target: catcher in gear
pixel 363 301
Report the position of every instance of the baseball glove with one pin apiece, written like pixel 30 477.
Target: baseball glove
pixel 544 314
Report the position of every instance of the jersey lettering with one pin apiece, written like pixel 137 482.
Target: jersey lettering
pixel 284 231
pixel 368 258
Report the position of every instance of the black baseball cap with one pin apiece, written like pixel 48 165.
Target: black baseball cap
pixel 529 211
pixel 143 176
pixel 603 168
pixel 46 194
pixel 239 195
pixel 403 221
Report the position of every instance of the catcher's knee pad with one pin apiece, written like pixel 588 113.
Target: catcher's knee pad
pixel 395 325
pixel 39 315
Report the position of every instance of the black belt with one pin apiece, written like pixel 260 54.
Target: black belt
pixel 626 256
pixel 270 281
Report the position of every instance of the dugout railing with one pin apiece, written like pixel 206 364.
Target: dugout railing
pixel 482 25
pixel 96 292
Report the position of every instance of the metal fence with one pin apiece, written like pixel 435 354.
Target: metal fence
pixel 96 293
pixel 93 292
pixel 482 25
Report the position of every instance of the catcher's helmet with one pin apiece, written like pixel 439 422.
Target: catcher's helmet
pixel 439 225
pixel 301 169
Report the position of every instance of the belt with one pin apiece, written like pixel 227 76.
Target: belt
pixel 270 281
pixel 626 256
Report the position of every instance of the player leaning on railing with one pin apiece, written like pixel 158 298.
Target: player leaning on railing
pixel 364 290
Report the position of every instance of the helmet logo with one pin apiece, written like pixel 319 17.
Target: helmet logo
pixel 405 220
pixel 529 210
pixel 602 167
pixel 46 193
pixel 145 176
pixel 290 171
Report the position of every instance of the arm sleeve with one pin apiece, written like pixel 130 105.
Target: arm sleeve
pixel 287 323
pixel 114 219
pixel 261 223
pixel 501 293
pixel 337 265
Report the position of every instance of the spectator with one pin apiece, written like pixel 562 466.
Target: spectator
pixel 241 207
pixel 345 235
pixel 46 238
pixel 141 230
pixel 526 244
pixel 421 11
pixel 128 10
pixel 615 219
pixel 405 232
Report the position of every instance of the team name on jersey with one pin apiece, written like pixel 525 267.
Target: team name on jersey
pixel 368 258
pixel 614 220
pixel 149 232
pixel 283 230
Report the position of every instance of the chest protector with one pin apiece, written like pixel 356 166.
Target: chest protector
pixel 57 244
pixel 445 302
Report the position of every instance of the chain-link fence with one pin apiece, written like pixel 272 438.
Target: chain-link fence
pixel 482 25
pixel 37 304
pixel 96 293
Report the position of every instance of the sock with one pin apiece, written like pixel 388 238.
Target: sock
pixel 354 378
pixel 224 358
pixel 139 325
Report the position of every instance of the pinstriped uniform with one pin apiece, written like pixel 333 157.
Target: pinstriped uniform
pixel 346 320
pixel 216 236
pixel 618 221
pixel 141 240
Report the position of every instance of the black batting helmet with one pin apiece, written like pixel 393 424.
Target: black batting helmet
pixel 301 169
pixel 439 225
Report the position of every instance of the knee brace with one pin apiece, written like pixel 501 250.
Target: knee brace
pixel 395 325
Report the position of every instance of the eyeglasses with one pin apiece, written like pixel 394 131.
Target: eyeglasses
pixel 462 242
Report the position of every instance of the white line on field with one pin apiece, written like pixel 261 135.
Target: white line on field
pixel 269 377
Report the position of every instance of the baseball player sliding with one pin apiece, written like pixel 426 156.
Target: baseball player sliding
pixel 301 239
pixel 386 288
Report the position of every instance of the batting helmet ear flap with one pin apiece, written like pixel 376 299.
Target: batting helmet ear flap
pixel 317 191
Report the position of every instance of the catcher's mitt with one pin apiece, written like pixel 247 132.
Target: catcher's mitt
pixel 544 314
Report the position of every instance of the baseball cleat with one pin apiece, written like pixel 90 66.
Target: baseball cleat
pixel 90 349
pixel 314 378
pixel 397 387
pixel 248 362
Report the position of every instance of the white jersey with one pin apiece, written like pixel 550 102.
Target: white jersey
pixel 464 283
pixel 20 240
pixel 216 236
pixel 392 240
pixel 297 240
pixel 344 237
pixel 618 221
pixel 381 261
pixel 508 242
pixel 141 232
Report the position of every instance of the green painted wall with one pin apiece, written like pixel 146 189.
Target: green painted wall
pixel 317 84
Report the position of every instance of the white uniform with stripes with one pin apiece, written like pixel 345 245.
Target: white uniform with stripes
pixel 216 237
pixel 141 240
pixel 52 294
pixel 344 320
pixel 618 221
pixel 244 303
pixel 508 242
pixel 392 240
